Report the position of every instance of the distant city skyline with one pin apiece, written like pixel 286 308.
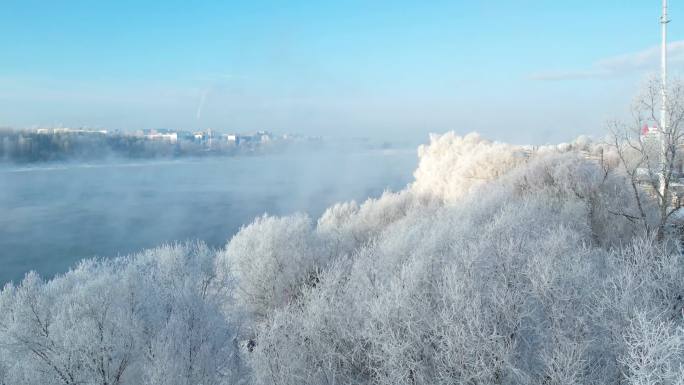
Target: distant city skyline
pixel 519 71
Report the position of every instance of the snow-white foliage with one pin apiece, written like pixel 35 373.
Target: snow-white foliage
pixel 451 165
pixel 513 281
pixel 272 259
pixel 152 318
pixel 500 264
pixel 345 227
pixel 654 351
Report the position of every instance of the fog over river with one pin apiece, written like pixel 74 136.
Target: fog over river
pixel 52 215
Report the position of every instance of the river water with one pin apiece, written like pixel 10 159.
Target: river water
pixel 53 215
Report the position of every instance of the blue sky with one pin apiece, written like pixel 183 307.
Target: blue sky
pixel 521 71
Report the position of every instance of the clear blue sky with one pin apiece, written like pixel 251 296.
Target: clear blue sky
pixel 523 71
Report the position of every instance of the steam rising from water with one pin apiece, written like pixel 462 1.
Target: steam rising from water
pixel 56 214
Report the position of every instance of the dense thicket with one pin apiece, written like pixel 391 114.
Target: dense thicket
pixel 498 265
pixel 159 317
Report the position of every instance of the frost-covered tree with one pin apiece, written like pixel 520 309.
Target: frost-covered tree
pixel 272 259
pixel 191 326
pixel 654 158
pixel 153 318
pixel 655 351
pixel 451 165
pixel 74 329
pixel 508 284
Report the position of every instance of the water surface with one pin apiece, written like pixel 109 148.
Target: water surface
pixel 52 215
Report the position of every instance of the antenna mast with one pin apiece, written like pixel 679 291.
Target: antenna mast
pixel 663 67
pixel 664 124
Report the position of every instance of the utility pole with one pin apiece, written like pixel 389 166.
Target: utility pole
pixel 664 128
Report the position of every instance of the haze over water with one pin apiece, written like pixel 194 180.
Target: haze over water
pixel 55 215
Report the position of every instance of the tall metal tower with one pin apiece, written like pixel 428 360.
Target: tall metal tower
pixel 664 124
pixel 663 66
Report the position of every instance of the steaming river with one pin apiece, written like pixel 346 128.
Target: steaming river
pixel 51 216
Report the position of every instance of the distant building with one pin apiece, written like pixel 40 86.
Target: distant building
pixel 256 138
pixel 185 135
pixel 161 134
pixel 649 131
pixel 233 139
pixel 650 139
pixel 264 136
pixel 71 131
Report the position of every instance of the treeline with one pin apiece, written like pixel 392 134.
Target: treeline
pixel 30 146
